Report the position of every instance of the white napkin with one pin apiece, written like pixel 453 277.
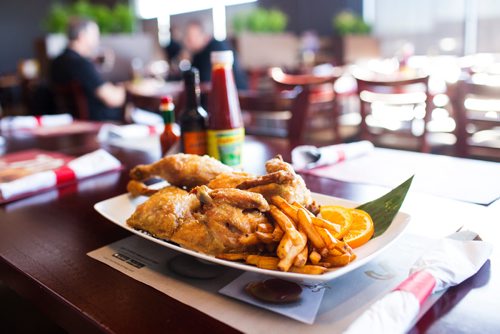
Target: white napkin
pixel 308 156
pixel 87 165
pixel 449 263
pixel 109 131
pixel 140 116
pixel 30 122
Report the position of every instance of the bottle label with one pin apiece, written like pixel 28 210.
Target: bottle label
pixel 194 142
pixel 226 145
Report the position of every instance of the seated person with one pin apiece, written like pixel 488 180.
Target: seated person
pixel 200 44
pixel 104 99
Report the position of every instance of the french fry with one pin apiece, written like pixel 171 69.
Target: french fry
pixel 265 227
pixel 301 258
pixel 252 259
pixel 277 233
pixel 287 250
pixel 338 261
pixel 287 208
pixel 332 227
pixel 312 234
pixel 281 219
pixel 314 257
pixel 309 269
pixel 249 239
pixel 266 238
pixel 265 262
pixel 327 237
pixel 286 225
pixel 300 206
pixel 233 256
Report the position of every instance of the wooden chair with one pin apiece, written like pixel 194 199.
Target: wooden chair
pixel 477 115
pixel 71 99
pixel 314 111
pixel 393 92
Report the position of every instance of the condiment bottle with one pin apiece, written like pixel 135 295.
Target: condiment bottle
pixel 225 125
pixel 193 119
pixel 170 135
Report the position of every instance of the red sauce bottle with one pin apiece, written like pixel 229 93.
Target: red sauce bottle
pixel 170 135
pixel 225 133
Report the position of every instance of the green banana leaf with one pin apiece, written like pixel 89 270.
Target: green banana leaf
pixel 384 209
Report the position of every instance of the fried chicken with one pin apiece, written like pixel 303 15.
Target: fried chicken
pixel 229 180
pixel 182 170
pixel 283 181
pixel 208 221
pixel 232 215
pixel 224 209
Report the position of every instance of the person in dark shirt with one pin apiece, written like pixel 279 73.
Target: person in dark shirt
pixel 104 99
pixel 200 44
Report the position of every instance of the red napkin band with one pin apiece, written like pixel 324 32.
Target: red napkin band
pixel 420 284
pixel 64 174
pixel 38 120
pixel 152 130
pixel 341 155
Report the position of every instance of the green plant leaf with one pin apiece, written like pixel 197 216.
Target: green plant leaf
pixel 384 209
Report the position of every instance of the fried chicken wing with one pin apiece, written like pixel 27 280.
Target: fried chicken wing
pixel 182 170
pixel 283 181
pixel 229 180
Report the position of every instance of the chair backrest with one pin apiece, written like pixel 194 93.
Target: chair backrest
pixel 465 89
pixel 365 83
pixel 70 98
pixel 312 91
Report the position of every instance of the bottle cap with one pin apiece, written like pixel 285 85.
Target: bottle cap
pixel 224 57
pixel 166 99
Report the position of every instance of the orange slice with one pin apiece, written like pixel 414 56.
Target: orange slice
pixel 338 215
pixel 361 229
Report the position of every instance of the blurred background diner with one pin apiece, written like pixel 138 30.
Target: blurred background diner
pixel 421 76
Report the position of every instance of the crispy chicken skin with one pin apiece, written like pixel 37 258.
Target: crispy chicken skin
pixel 283 181
pixel 229 180
pixel 208 221
pixel 171 214
pixel 232 214
pixel 164 211
pixel 182 170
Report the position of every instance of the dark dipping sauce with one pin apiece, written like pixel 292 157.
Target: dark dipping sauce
pixel 274 290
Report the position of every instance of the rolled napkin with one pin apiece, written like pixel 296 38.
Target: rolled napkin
pixel 307 156
pixel 449 263
pixel 30 122
pixel 140 116
pixel 109 131
pixel 87 165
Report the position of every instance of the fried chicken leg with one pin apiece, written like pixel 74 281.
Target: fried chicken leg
pixel 182 170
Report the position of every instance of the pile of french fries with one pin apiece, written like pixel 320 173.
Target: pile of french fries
pixel 298 242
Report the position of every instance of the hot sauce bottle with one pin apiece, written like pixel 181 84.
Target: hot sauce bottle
pixel 170 135
pixel 225 125
pixel 193 119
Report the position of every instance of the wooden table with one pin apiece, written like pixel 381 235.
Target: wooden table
pixel 44 241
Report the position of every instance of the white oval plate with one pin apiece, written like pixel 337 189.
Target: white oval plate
pixel 118 209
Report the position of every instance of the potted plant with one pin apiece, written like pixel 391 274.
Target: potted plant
pixel 262 40
pixel 352 39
